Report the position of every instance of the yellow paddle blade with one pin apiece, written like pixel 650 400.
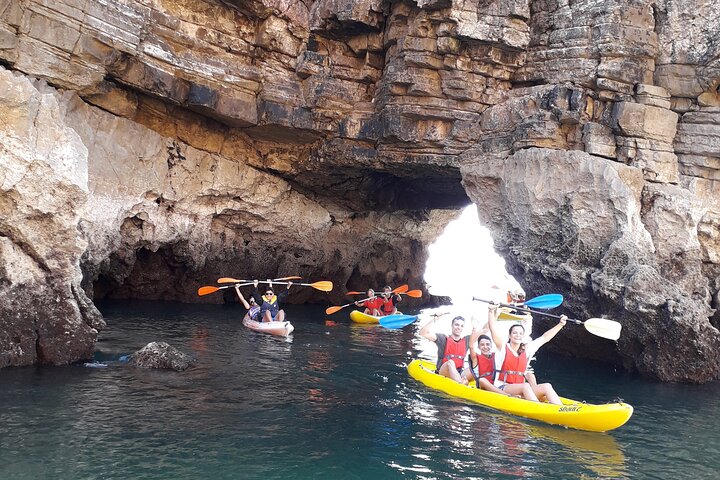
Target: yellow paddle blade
pixel 324 285
pixel 603 327
pixel 414 293
pixel 229 280
pixel 207 290
pixel 401 289
pixel 331 310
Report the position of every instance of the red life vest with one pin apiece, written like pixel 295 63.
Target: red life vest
pixel 455 351
pixel 513 367
pixel 373 303
pixel 486 366
pixel 388 306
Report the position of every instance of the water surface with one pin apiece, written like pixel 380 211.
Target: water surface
pixel 333 401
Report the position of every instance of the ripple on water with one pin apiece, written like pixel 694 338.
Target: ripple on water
pixel 332 401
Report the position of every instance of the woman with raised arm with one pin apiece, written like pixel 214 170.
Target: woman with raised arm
pixel 511 359
pixel 253 309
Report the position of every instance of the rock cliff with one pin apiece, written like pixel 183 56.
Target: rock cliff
pixel 150 146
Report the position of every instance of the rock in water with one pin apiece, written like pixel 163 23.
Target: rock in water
pixel 161 355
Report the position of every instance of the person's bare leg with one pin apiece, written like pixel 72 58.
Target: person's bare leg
pixel 267 316
pixel 486 385
pixel 280 317
pixel 521 389
pixel 449 370
pixel 546 393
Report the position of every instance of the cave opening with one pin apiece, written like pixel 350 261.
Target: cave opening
pixel 462 263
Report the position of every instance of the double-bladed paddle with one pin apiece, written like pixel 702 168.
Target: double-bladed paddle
pixel 207 290
pixel 235 280
pixel 323 285
pixel 331 310
pixel 601 327
pixel 397 320
pixel 550 300
pixel 402 289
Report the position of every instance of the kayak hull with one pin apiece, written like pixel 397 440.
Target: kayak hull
pixel 572 414
pixel 281 329
pixel 506 314
pixel 359 317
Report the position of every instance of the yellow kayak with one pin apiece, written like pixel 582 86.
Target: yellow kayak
pixel 359 317
pixel 572 414
pixel 505 314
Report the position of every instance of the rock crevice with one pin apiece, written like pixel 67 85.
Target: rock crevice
pixel 335 138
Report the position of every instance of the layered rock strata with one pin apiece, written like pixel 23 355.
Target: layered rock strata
pixel 335 138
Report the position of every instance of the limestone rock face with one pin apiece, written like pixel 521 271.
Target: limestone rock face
pixel 335 138
pixel 161 355
pixel 45 317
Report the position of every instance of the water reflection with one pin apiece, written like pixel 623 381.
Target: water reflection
pixel 598 452
pixel 334 402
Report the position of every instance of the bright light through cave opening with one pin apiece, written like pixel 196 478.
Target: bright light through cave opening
pixel 462 263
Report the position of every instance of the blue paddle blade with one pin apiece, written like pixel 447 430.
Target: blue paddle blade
pixel 551 300
pixel 397 321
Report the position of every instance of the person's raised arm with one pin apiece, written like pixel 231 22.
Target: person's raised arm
pixel 476 332
pixel 283 295
pixel 426 332
pixel 548 335
pixel 493 326
pixel 256 293
pixel 242 299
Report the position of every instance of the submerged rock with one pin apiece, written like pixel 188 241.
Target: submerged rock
pixel 161 355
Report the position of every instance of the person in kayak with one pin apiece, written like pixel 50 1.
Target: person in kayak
pixel 451 349
pixel 511 359
pixel 389 301
pixel 253 309
pixel 372 304
pixel 481 366
pixel 270 310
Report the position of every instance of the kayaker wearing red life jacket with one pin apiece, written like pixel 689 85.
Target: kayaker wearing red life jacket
pixel 451 349
pixel 372 304
pixel 511 359
pixel 270 310
pixel 389 301
pixel 482 366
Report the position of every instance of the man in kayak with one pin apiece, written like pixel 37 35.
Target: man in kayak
pixel 451 349
pixel 253 309
pixel 481 366
pixel 270 310
pixel 389 301
pixel 372 304
pixel 511 359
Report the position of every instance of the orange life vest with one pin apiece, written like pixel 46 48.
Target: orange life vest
pixel 455 351
pixel 513 367
pixel 486 366
pixel 388 306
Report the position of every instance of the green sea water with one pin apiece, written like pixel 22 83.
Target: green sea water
pixel 333 401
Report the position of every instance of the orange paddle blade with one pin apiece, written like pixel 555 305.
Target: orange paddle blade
pixel 287 278
pixel 354 293
pixel 401 289
pixel 414 293
pixel 228 280
pixel 331 310
pixel 207 290
pixel 324 285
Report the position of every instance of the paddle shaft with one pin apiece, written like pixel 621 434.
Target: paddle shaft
pixel 525 309
pixel 530 310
